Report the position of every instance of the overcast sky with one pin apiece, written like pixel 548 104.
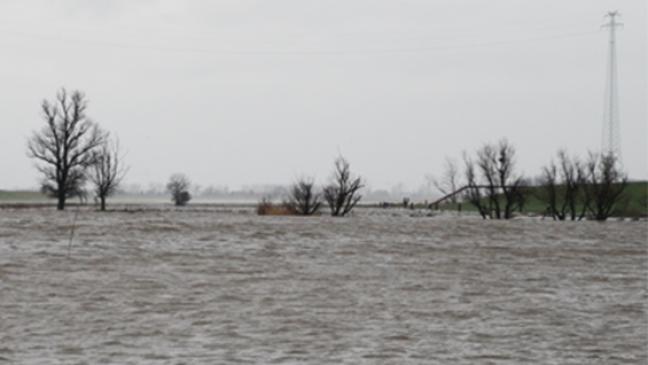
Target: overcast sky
pixel 248 92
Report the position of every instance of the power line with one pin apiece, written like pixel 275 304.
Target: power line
pixel 101 43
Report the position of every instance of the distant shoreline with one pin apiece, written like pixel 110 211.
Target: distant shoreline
pixel 635 205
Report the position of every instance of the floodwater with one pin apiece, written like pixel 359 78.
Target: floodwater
pixel 225 286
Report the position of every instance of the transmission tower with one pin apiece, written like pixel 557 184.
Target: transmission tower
pixel 611 138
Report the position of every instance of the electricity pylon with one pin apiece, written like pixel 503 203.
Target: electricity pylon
pixel 611 138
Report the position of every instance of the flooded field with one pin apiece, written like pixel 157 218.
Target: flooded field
pixel 225 286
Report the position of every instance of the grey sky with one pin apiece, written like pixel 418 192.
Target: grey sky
pixel 244 92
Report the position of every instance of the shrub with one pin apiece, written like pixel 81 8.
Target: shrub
pixel 267 207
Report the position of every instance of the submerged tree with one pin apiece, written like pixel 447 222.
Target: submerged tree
pixel 303 199
pixel 563 188
pixel 342 194
pixel 65 147
pixel 504 191
pixel 107 171
pixel 449 181
pixel 178 186
pixel 473 193
pixel 604 185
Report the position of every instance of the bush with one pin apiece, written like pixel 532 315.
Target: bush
pixel 178 187
pixel 303 199
pixel 267 207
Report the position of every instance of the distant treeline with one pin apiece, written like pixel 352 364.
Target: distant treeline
pixel 254 193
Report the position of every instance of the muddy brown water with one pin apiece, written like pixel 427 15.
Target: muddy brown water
pixel 226 286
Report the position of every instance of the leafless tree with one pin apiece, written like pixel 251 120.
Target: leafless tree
pixel 487 165
pixel 511 184
pixel 342 194
pixel 521 194
pixel 178 186
pixel 549 194
pixel 496 165
pixel 473 192
pixel 107 171
pixel 303 199
pixel 449 182
pixel 65 147
pixel 604 185
pixel 563 188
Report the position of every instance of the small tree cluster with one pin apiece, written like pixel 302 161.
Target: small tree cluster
pixel 570 188
pixel 68 147
pixel 573 189
pixel 341 195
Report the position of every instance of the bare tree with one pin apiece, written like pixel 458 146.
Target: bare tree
pixel 107 171
pixel 65 147
pixel 563 188
pixel 473 192
pixel 178 186
pixel 511 184
pixel 573 178
pixel 487 164
pixel 496 165
pixel 449 182
pixel 303 200
pixel 605 183
pixel 342 194
pixel 549 194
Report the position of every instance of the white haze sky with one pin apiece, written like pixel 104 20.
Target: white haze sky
pixel 249 92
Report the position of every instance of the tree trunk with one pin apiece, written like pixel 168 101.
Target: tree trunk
pixel 103 203
pixel 61 202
